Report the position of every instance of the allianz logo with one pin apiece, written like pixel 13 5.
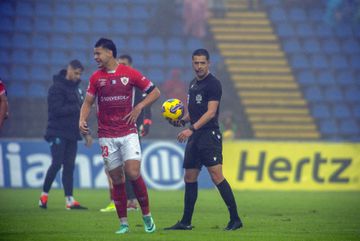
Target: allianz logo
pixel 161 165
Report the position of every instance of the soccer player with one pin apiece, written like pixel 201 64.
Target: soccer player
pixel 113 85
pixel 4 106
pixel 143 125
pixel 204 141
pixel 62 133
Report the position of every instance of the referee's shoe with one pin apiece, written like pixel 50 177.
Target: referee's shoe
pixel 233 225
pixel 179 226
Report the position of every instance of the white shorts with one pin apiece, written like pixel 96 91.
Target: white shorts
pixel 116 151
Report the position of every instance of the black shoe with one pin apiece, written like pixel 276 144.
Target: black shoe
pixel 179 226
pixel 233 225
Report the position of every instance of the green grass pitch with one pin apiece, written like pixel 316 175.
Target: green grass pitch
pixel 267 215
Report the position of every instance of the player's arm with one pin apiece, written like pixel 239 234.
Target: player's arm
pixel 84 113
pixel 153 93
pixel 3 109
pixel 205 118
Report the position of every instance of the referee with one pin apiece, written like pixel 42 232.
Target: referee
pixel 204 146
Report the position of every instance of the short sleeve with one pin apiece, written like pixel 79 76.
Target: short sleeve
pixel 2 88
pixel 92 88
pixel 141 81
pixel 214 91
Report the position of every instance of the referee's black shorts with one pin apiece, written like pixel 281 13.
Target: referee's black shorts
pixel 204 147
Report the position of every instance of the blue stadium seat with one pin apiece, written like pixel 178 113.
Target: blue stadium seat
pixel 292 46
pixel 341 111
pixel 194 43
pixel 356 111
pixel 155 43
pixel 338 62
pixel 21 41
pixel 24 24
pixel 82 10
pixel 59 57
pixel 137 27
pixel 156 75
pixel 43 8
pixel 349 127
pixel 7 8
pixel 7 24
pixel 271 3
pixel 326 78
pixel 121 29
pixel 355 61
pixel 63 10
pixel 81 26
pixel 136 44
pixel 345 78
pixel 278 15
pixel 19 74
pixel 37 91
pixel 330 46
pixel 333 95
pixel 5 73
pixel 175 60
pixel 139 61
pixel 100 27
pixel 20 56
pixel 85 56
pixel 313 94
pixel 40 74
pixel 297 15
pixel 285 30
pixel 320 111
pixel 306 78
pixel 311 45
pixel 41 57
pixel 323 31
pixel 139 12
pixel 59 41
pixel 40 41
pixel 24 8
pixel 352 94
pixel 300 61
pixel 304 30
pixel 318 61
pixel 120 12
pixel 175 44
pixel 5 41
pixel 80 42
pixel 316 14
pixel 62 25
pixel 16 90
pixel 43 25
pixel 350 46
pixel 5 57
pixel 328 127
pixel 343 31
pixel 101 11
pixel 156 60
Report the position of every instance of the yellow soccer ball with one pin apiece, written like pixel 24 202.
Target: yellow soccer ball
pixel 173 109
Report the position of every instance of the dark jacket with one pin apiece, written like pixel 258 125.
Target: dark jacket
pixel 64 103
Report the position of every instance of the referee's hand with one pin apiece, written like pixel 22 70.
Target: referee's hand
pixel 176 123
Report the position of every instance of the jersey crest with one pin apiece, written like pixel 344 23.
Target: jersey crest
pixel 124 80
pixel 198 99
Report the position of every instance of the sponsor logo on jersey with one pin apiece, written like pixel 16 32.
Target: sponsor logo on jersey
pixel 102 82
pixel 113 98
pixel 113 81
pixel 198 99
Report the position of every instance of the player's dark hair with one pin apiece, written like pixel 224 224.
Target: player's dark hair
pixel 107 44
pixel 201 52
pixel 126 56
pixel 76 64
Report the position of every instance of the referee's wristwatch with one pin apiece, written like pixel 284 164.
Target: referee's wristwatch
pixel 191 127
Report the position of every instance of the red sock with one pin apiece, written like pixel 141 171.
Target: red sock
pixel 141 194
pixel 120 199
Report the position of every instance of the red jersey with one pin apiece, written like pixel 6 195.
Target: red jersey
pixel 2 88
pixel 115 93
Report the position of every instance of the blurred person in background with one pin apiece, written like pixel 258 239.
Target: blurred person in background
pixel 143 125
pixel 4 105
pixel 174 87
pixel 113 86
pixel 195 14
pixel 64 101
pixel 204 141
pixel 228 126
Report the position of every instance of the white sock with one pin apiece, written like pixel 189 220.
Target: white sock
pixel 44 194
pixel 124 221
pixel 69 200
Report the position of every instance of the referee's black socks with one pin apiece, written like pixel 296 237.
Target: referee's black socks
pixel 228 197
pixel 191 192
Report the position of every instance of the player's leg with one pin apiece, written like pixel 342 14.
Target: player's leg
pixel 131 202
pixel 68 173
pixel 114 165
pixel 57 148
pixel 111 206
pixel 192 170
pixel 131 152
pixel 227 195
